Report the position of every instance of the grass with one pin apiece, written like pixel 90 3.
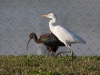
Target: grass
pixel 46 65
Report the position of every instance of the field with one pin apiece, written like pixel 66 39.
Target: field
pixel 46 65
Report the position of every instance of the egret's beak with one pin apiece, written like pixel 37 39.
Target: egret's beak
pixel 45 15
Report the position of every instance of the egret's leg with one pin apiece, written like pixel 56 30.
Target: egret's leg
pixel 72 55
pixel 70 50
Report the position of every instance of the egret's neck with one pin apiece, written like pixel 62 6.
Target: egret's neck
pixel 52 21
pixel 51 26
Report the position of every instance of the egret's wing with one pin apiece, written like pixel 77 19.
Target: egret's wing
pixel 68 35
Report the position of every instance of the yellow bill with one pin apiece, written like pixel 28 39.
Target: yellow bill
pixel 45 15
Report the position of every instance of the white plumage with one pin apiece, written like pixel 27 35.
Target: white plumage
pixel 63 34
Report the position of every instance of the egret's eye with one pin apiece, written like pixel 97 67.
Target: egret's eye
pixel 50 15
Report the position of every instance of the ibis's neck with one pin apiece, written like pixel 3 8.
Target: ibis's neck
pixel 37 40
pixel 51 26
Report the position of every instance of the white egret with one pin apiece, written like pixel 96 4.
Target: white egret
pixel 65 35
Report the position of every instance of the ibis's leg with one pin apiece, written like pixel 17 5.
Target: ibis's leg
pixel 52 53
pixel 49 49
pixel 48 52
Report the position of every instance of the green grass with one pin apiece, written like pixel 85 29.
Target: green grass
pixel 46 65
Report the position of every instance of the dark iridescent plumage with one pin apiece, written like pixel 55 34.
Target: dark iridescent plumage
pixel 51 41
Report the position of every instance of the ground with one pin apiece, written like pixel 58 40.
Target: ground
pixel 46 65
